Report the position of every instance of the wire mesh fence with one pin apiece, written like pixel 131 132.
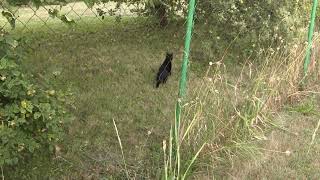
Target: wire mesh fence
pixel 109 58
pixel 30 17
pixel 109 53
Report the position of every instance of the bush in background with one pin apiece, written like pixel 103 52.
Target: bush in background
pixel 254 25
pixel 31 118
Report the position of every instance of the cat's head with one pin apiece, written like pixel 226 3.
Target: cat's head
pixel 169 55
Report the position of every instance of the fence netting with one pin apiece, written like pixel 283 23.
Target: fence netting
pixel 107 55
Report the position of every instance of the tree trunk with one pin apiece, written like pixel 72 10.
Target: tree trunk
pixel 161 13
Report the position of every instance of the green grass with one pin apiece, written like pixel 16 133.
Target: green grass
pixel 287 154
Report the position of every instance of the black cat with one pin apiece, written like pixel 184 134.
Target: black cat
pixel 164 70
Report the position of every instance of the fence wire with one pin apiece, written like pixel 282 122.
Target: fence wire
pixel 29 17
pixel 109 57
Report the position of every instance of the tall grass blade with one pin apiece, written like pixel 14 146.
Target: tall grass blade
pixel 119 140
pixel 314 135
pixel 192 161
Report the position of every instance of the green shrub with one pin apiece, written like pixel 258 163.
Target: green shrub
pixel 31 118
pixel 255 24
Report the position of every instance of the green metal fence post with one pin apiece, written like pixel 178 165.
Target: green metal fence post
pixel 310 36
pixel 183 78
pixel 183 81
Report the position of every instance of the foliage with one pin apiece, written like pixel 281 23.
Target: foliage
pixel 54 13
pixel 31 118
pixel 255 24
pixel 10 18
pixel 160 9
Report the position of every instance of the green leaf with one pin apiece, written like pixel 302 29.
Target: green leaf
pixel 16 73
pixel 112 12
pixel 15 160
pixel 37 3
pixel 6 64
pixel 29 107
pixel 67 20
pixel 53 13
pixel 101 12
pixel 37 115
pixel 12 42
pixel 10 18
pixel 51 148
pixel 23 111
pixel 21 120
pixel 118 5
pixel 31 148
pixel 89 3
pixel 8 161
